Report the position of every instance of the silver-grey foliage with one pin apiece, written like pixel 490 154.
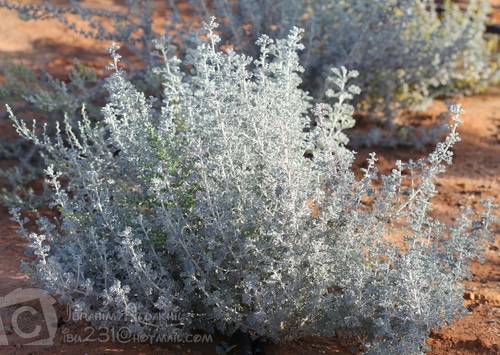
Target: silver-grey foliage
pixel 209 206
pixel 406 52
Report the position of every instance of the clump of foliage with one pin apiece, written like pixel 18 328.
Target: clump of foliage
pixel 208 205
pixel 406 51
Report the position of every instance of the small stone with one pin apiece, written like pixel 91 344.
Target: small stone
pixel 469 296
pixel 484 342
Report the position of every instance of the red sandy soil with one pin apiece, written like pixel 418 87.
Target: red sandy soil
pixel 475 174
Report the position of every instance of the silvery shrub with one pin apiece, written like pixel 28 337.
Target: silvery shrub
pixel 407 52
pixel 209 207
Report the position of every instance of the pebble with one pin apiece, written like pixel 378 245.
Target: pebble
pixel 469 296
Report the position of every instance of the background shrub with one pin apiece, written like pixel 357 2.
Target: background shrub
pixel 52 98
pixel 406 53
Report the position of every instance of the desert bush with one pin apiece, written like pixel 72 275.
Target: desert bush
pixel 209 205
pixel 406 53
